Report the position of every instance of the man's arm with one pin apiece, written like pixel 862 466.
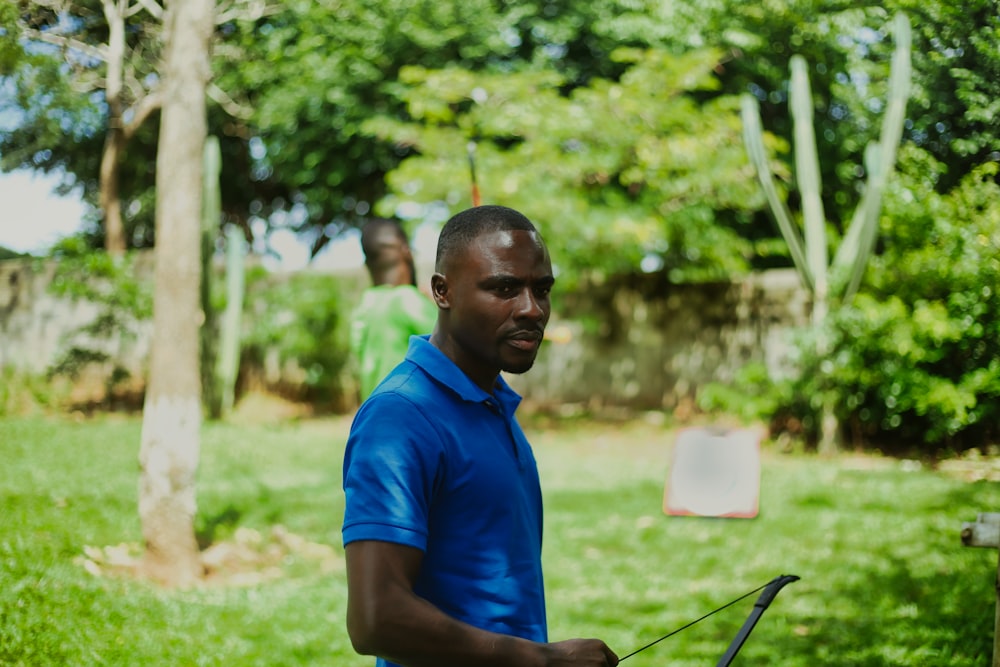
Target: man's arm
pixel 386 618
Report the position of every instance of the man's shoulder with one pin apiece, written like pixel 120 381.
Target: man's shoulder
pixel 408 382
pixel 410 401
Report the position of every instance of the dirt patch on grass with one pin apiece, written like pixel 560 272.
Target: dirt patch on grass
pixel 264 408
pixel 247 559
pixel 972 467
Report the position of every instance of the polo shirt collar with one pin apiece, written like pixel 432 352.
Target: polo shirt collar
pixel 442 369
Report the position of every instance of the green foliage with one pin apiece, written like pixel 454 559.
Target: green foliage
pixel 301 80
pixel 834 283
pixel 953 106
pixel 956 103
pixel 122 300
pixel 884 578
pixel 916 358
pixel 313 73
pixel 810 252
pixel 842 44
pixel 752 396
pixel 24 393
pixel 301 319
pixel 614 172
pixel 9 51
pixel 54 111
pixel 114 281
pixel 7 253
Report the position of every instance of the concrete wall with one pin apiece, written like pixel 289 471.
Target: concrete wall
pixel 643 343
pixel 37 327
pixel 638 342
pixel 31 320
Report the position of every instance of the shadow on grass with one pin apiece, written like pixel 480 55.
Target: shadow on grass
pixel 219 522
pixel 885 579
pixel 255 504
pixel 892 616
pixel 306 508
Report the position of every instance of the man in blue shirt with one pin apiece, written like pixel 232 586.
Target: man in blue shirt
pixel 443 522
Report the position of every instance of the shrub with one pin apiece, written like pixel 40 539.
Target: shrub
pixel 24 393
pixel 753 394
pixel 916 356
pixel 300 319
pixel 123 301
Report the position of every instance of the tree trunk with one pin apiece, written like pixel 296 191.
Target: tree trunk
pixel 111 203
pixel 114 229
pixel 172 412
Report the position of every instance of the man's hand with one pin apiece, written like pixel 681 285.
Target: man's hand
pixel 581 653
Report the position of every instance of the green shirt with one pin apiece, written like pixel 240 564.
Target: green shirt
pixel 381 327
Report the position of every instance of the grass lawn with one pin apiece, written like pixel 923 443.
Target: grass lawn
pixel 885 579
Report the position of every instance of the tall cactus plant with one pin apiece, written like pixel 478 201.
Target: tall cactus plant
pixel 229 352
pixel 211 215
pixel 222 356
pixel 841 277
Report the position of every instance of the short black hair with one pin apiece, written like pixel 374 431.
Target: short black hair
pixel 467 225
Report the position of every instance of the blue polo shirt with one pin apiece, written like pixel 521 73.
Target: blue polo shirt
pixel 434 462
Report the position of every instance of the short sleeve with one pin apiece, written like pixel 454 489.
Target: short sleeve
pixel 391 465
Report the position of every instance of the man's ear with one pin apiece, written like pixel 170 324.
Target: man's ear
pixel 439 290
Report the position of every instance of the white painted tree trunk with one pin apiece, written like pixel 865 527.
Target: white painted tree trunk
pixel 172 412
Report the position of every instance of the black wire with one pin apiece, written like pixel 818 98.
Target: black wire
pixel 714 611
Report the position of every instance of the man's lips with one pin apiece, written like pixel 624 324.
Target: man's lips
pixel 525 340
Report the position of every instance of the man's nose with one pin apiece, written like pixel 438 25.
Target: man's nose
pixel 528 306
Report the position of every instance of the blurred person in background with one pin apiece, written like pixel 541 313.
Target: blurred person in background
pixel 392 309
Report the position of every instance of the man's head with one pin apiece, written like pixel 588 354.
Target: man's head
pixel 387 253
pixel 491 283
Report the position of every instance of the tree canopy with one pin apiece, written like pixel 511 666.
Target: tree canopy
pixel 326 112
pixel 614 171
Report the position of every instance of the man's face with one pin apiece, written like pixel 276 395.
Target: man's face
pixel 496 295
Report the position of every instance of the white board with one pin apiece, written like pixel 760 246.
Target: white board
pixel 714 473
